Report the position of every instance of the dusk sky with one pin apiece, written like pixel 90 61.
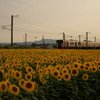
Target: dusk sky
pixel 50 18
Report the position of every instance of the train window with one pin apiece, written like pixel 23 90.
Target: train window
pixel 79 43
pixel 71 43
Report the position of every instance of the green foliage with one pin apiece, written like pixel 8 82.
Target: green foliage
pixel 74 89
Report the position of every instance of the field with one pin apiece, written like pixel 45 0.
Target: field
pixel 49 74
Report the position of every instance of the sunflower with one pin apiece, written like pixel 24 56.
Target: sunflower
pixel 64 70
pixel 87 68
pixel 26 65
pixel 29 86
pixel 51 61
pixel 34 74
pixel 42 80
pixel 98 63
pixel 21 83
pixel 18 74
pixel 3 86
pixel 40 71
pixel 98 68
pixel 36 87
pixel 10 72
pixel 29 69
pixel 46 74
pixel 19 66
pixel 76 65
pixel 85 77
pixel 15 61
pixel 66 76
pixel 74 72
pixel 2 70
pixel 13 66
pixel 59 77
pixel 14 89
pixel 55 73
pixel 28 77
pixel 58 67
pixel 7 83
pixel 6 76
pixel 36 63
pixel 88 64
pixel 82 67
pixel 37 68
pixel 68 66
pixel 94 69
pixel 7 66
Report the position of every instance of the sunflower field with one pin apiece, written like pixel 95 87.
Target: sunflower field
pixel 49 74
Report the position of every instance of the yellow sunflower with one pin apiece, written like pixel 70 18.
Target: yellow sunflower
pixel 29 86
pixel 18 74
pixel 59 77
pixel 94 69
pixel 14 89
pixel 85 77
pixel 7 83
pixel 82 67
pixel 42 80
pixel 3 86
pixel 10 72
pixel 74 72
pixel 55 73
pixel 66 76
pixel 64 70
pixel 36 87
pixel 19 66
pixel 29 69
pixel 21 83
pixel 28 77
pixel 98 68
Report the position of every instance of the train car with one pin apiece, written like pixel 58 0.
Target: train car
pixel 75 44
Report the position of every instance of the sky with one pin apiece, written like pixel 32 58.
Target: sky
pixel 49 18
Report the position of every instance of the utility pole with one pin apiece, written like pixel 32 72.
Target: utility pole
pixel 43 41
pixel 25 39
pixel 11 30
pixel 63 37
pixel 95 39
pixel 5 27
pixel 80 41
pixel 87 40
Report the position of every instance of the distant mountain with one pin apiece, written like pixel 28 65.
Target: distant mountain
pixel 46 41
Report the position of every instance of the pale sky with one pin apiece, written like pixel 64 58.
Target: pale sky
pixel 50 18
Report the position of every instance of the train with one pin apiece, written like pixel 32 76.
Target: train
pixel 75 44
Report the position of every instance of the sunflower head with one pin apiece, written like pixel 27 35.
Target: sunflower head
pixel 28 77
pixel 74 72
pixel 29 86
pixel 3 86
pixel 18 74
pixel 98 68
pixel 29 69
pixel 56 73
pixel 36 87
pixel 59 77
pixel 64 70
pixel 14 89
pixel 85 77
pixel 94 69
pixel 21 83
pixel 66 76
pixel 82 67
pixel 42 80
